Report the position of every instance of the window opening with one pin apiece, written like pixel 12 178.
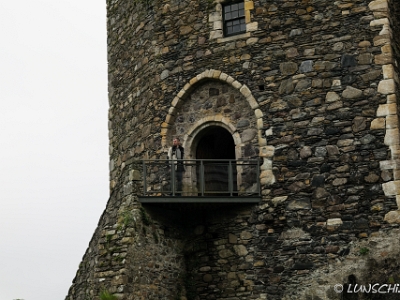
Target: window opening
pixel 234 19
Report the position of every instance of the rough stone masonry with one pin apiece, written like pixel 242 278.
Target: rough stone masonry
pixel 310 88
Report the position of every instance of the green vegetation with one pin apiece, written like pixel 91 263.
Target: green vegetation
pixel 145 217
pixel 105 295
pixel 364 251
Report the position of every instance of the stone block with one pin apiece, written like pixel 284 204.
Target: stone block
pixel 267 177
pixel 252 102
pixel 134 175
pixel 216 74
pixel 388 71
pixel 258 113
pixel 389 164
pixel 351 93
pixel 237 85
pixel 378 123
pixel 378 5
pixel 393 217
pixel 386 109
pixel 299 204
pixel 245 91
pixel 381 40
pixel 391 188
pixel 387 86
pixel 392 137
pixel 293 233
pixel 379 22
pixel 216 34
pixel 391 98
pixel 248 5
pixel 331 97
pixel 333 224
pixel 267 151
pixel 383 59
pixel 288 68
pixel 392 121
pixel 253 26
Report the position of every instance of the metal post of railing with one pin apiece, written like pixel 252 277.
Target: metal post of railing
pixel 230 178
pixel 173 178
pixel 202 183
pixel 144 179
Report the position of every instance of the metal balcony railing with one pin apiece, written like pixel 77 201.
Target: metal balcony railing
pixel 201 178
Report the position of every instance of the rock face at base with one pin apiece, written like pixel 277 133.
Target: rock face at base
pixel 310 89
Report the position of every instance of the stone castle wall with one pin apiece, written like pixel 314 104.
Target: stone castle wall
pixel 310 89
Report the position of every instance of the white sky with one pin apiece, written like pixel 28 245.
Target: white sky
pixel 53 141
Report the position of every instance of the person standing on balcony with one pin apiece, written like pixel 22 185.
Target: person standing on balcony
pixel 175 155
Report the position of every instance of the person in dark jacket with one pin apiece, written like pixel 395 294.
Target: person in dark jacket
pixel 175 156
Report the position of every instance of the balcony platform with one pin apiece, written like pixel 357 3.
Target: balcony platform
pixel 199 199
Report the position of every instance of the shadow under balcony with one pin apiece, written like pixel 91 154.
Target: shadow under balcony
pixel 202 182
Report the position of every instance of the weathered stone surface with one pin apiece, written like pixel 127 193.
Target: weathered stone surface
pixel 351 93
pixel 310 90
pixel 288 68
pixel 332 97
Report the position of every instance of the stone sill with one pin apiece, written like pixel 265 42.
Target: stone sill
pixel 234 37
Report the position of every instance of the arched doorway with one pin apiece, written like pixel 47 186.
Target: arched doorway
pixel 214 148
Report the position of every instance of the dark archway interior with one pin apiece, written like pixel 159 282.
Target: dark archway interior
pixel 216 143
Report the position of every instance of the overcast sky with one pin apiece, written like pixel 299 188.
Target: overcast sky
pixel 53 141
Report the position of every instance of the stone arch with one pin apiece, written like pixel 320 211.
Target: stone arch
pixel 190 86
pixel 190 139
pixel 265 152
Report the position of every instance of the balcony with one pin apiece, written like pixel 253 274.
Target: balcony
pixel 201 181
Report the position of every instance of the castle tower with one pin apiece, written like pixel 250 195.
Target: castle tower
pixel 306 89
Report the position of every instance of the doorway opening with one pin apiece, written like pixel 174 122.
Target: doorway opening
pixel 215 147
